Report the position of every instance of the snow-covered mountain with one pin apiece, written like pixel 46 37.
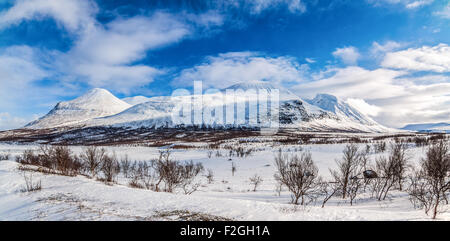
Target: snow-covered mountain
pixel 135 100
pixel 429 127
pixel 95 103
pixel 100 108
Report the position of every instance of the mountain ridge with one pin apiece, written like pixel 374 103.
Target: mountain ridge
pixel 323 113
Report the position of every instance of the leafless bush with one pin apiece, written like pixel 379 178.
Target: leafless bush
pixel 233 168
pixel 210 176
pixel 66 163
pixel 125 166
pixel 354 185
pixel 28 158
pixel 174 174
pixel 57 158
pixel 398 154
pixel 430 185
pixel 189 171
pixel 256 180
pixel 30 185
pixel 348 167
pixel 380 147
pixel 110 168
pixel 386 168
pixel 4 157
pixel 92 158
pixel 279 188
pixel 391 171
pixel 328 189
pixel 298 174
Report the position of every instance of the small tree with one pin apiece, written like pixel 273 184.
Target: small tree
pixel 233 168
pixel 189 171
pixel 110 167
pixel 210 176
pixel 348 167
pixel 430 185
pixel 381 186
pixel 298 174
pixel 125 166
pixel 398 154
pixel 92 158
pixel 328 189
pixel 256 180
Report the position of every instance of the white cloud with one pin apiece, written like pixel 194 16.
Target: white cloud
pixel 353 82
pixel 444 13
pixel 226 69
pixel 259 6
pixel 310 60
pixel 389 46
pixel 419 3
pixel 393 97
pixel 8 122
pixel 409 4
pixel 364 107
pixel 348 55
pixel 104 55
pixel 426 58
pixel 72 14
pixel 126 40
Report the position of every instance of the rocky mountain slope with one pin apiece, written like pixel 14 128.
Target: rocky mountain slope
pixel 100 108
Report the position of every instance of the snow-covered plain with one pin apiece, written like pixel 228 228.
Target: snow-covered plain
pixel 228 197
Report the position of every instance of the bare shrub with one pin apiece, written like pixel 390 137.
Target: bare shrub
pixel 110 168
pixel 430 185
pixel 4 157
pixel 256 180
pixel 391 171
pixel 92 158
pixel 381 186
pixel 65 162
pixel 348 167
pixel 174 174
pixel 298 174
pixel 57 158
pixel 210 176
pixel 233 168
pixel 30 185
pixel 328 189
pixel 189 171
pixel 380 147
pixel 28 158
pixel 125 166
pixel 354 185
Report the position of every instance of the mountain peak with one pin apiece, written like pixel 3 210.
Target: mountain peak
pixel 256 84
pixel 95 103
pixel 325 101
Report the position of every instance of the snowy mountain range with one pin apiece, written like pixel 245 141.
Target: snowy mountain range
pixel 429 127
pixel 99 107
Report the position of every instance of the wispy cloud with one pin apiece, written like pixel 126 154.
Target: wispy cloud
pixel 427 58
pixel 378 49
pixel 408 4
pixel 348 55
pixel 226 69
pixel 10 122
pixel 72 14
pixel 444 13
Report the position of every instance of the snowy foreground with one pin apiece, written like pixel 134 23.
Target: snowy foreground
pixel 228 197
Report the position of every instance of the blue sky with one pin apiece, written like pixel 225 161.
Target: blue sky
pixel 390 58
